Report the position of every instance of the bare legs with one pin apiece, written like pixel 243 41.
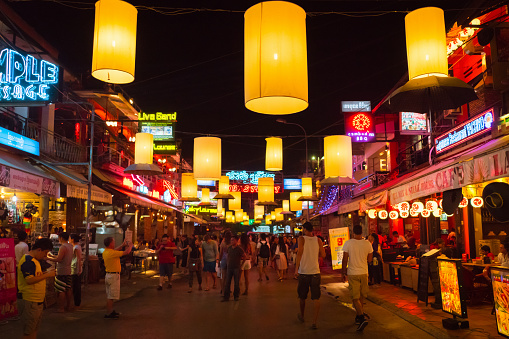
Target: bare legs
pixel 109 306
pixel 316 304
pixel 357 303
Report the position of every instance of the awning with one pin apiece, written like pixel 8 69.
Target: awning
pixel 196 219
pixel 17 173
pixel 142 200
pixel 350 206
pixel 77 184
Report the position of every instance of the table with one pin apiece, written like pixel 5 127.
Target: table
pixel 406 276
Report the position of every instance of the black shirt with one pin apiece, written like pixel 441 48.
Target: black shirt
pixel 234 257
pixel 195 251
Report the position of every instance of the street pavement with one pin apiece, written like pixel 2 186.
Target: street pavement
pixel 269 311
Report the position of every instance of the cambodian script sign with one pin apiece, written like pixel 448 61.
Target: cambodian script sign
pixel 15 140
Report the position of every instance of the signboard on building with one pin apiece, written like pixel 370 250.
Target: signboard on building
pixel 413 123
pixel 26 80
pixel 474 127
pixel 355 106
pixel 161 126
pixel 338 237
pixel 8 290
pixel 500 282
pixel 19 142
pixel 292 184
pixel 360 126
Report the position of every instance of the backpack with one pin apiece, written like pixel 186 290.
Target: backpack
pixel 264 251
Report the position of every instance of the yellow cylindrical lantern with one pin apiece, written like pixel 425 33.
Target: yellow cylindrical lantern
pixel 246 216
pixel 295 204
pixel 144 148
pixel 205 196
pixel 274 154
pixel 224 185
pixel 426 43
pixel 268 220
pixel 279 216
pixel 307 187
pixel 338 156
pixel 273 215
pixel 258 211
pixel 239 215
pixel 207 158
pixel 189 187
pixel 114 51
pixel 275 58
pixel 265 190
pixel 235 203
pixel 229 216
pixel 220 209
pixel 286 205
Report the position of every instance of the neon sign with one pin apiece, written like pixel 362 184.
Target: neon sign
pixel 159 116
pixel 190 209
pixel 249 177
pixel 472 128
pixel 355 106
pixel 165 148
pixel 24 78
pixel 128 183
pixel 292 184
pixel 249 188
pixel 360 126
pixel 18 141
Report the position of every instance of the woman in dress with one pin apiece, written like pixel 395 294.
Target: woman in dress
pixel 280 255
pixel 223 252
pixel 244 270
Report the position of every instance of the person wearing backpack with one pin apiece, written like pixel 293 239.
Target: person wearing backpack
pixel 263 254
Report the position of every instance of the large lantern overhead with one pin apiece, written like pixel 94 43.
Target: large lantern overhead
pixel 286 207
pixel 266 191
pixel 224 188
pixel 205 197
pixel 144 156
pixel 114 51
pixel 259 211
pixel 230 218
pixel 279 215
pixel 189 188
pixel 274 154
pixel 275 58
pixel 268 219
pixel 338 160
pixel 426 43
pixel 239 215
pixel 295 204
pixel 207 158
pixel 235 203
pixel 307 190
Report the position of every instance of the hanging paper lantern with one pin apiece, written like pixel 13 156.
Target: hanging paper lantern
pixel 268 219
pixel 404 214
pixel 265 190
pixel 393 215
pixel 437 213
pixel 246 217
pixel 143 156
pixel 295 204
pixel 425 213
pixel 273 215
pixel 372 214
pixel 114 52
pixel 477 202
pixel 275 58
pixel 207 158
pixel 229 217
pixel 417 206
pixel 338 159
pixel 383 214
pixel 279 215
pixel 431 205
pixel 404 206
pixel 239 215
pixel 286 205
pixel 440 203
pixel 274 154
pixel 259 210
pixel 205 197
pixel 235 203
pixel 463 203
pixel 220 209
pixel 426 43
pixel 414 213
pixel 224 188
pixel 189 187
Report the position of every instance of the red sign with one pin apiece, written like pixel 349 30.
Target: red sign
pixel 360 126
pixel 7 279
pixel 249 188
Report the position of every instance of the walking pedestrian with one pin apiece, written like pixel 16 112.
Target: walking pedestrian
pixel 21 247
pixel 166 260
pixel 76 269
pixel 236 258
pixel 178 253
pixel 210 255
pixel 307 270
pixel 194 262
pixel 223 257
pixel 63 279
pixel 185 251
pixel 32 286
pixel 252 242
pixel 244 269
pixel 281 261
pixel 357 252
pixel 111 257
pixel 263 254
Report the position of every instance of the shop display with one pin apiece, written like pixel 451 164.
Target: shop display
pixel 450 275
pixel 8 291
pixel 500 280
pixel 338 237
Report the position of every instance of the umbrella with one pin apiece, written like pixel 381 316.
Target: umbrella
pixel 432 93
pixel 143 169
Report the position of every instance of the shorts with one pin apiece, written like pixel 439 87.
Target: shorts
pixel 246 266
pixel 166 269
pixel 358 285
pixel 63 283
pixel 309 282
pixel 112 282
pixel 263 262
pixel 31 315
pixel 209 266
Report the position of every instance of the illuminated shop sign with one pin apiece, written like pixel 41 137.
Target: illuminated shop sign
pixel 17 141
pixel 250 188
pixel 165 148
pixel 355 106
pixel 413 123
pixel 360 126
pixel 25 79
pixel 162 127
pixel 249 177
pixel 138 185
pixel 190 209
pixel 472 128
pixel 206 182
pixel 292 184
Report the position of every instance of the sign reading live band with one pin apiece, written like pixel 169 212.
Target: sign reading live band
pixel 485 168
pixel 12 178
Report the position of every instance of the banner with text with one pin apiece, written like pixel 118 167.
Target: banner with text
pixel 8 291
pixel 337 238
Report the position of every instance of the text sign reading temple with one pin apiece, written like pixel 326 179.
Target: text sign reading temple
pixel 25 79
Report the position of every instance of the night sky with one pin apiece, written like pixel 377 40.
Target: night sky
pixel 193 64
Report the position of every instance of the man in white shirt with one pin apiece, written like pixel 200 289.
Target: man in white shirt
pixel 399 239
pixel 21 248
pixel 357 252
pixel 503 256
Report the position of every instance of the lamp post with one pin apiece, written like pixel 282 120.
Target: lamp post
pixel 283 121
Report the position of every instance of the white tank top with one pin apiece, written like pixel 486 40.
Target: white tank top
pixel 309 260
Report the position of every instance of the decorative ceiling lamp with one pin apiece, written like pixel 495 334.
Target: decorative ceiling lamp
pixel 273 215
pixel 295 204
pixel 338 160
pixel 274 154
pixel 114 51
pixel 463 203
pixel 230 218
pixel 404 214
pixel 372 214
pixel 477 202
pixel 404 206
pixel 266 191
pixel 235 203
pixel 437 213
pixel 426 213
pixel 279 215
pixel 205 197
pixel 307 190
pixel 220 209
pixel 286 207
pixel 259 211
pixel 417 206
pixel 393 215
pixel 246 217
pixel 440 203
pixel 268 219
pixel 275 58
pixel 239 215
pixel 431 205
pixel 414 213
pixel 207 158
pixel 224 188
pixel 144 156
pixel 189 187
pixel 383 214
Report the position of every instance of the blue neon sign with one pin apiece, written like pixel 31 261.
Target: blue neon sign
pixel 17 141
pixel 24 78
pixel 292 184
pixel 472 128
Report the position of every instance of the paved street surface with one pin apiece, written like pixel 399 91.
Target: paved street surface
pixel 269 311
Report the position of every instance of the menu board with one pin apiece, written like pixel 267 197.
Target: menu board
pixel 7 279
pixel 500 280
pixel 413 123
pixel 449 272
pixel 338 237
